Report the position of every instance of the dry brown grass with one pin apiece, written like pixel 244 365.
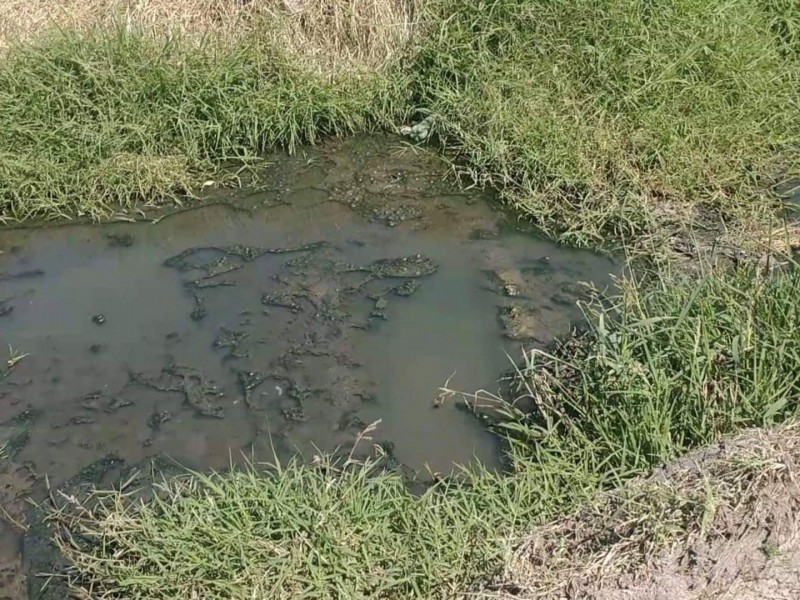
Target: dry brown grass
pixel 722 522
pixel 783 241
pixel 23 20
pixel 324 33
pixel 334 33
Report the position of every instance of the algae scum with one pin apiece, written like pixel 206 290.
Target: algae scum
pixel 351 288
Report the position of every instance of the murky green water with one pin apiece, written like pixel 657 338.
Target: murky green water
pixel 356 285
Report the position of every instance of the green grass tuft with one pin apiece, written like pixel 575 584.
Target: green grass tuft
pixel 670 365
pixel 298 532
pixel 93 124
pixel 602 118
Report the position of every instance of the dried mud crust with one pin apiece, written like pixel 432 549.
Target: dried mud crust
pixel 720 523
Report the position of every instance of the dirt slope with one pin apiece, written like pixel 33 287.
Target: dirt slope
pixel 720 523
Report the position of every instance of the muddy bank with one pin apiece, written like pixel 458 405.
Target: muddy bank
pixel 720 522
pixel 350 288
pixel 16 483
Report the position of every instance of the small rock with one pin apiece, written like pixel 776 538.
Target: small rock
pixel 519 321
pixel 158 418
pixel 766 262
pixel 295 414
pixel 120 240
pixel 419 132
pixel 508 281
pixel 407 288
pixel 116 403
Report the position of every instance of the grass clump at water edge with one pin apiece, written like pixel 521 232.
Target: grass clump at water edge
pixel 679 366
pixel 102 122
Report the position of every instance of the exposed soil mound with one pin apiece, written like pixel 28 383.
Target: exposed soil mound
pixel 722 522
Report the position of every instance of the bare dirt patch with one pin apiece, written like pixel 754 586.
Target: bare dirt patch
pixel 722 523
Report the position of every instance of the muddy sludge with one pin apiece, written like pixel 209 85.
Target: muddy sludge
pixel 348 290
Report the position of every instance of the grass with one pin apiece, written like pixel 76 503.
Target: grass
pixel 597 119
pixel 623 120
pixel 672 365
pixel 93 125
pixel 610 118
pixel 682 365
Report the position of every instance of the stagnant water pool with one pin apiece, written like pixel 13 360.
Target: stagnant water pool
pixel 347 291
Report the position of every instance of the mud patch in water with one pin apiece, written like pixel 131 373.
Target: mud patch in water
pixel 357 282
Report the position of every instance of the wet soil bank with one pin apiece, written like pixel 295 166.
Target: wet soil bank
pixel 352 288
